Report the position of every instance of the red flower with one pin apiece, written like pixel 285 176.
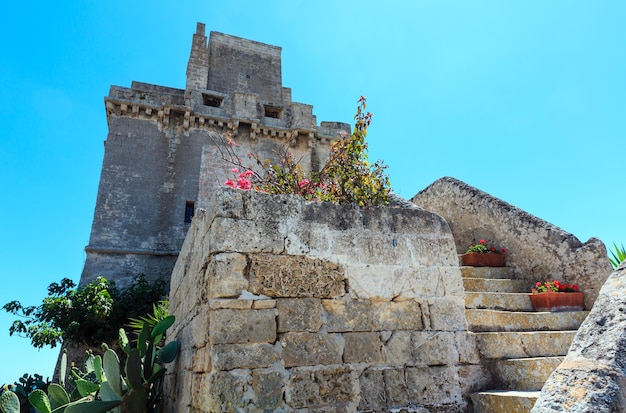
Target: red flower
pixel 503 250
pixel 492 249
pixel 575 287
pixel 538 284
pixel 482 241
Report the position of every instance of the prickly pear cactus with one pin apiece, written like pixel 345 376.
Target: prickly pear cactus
pixel 39 399
pixel 9 403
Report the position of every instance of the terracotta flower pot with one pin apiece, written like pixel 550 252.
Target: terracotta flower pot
pixel 555 302
pixel 479 259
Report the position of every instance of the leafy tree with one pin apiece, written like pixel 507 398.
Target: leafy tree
pixel 91 314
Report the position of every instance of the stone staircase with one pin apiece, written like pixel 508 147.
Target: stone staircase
pixel 521 347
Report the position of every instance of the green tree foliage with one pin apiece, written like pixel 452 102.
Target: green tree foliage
pixel 91 314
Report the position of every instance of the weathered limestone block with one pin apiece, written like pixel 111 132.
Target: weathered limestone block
pixel 225 275
pixel 398 349
pixel 200 360
pixel 415 249
pixel 447 314
pixel 268 387
pixel 197 331
pixel 219 392
pixel 405 315
pixel 396 388
pixel 592 376
pixel 295 276
pixel 348 315
pixel 434 349
pixel 310 349
pixel 474 378
pixel 263 304
pixel 332 217
pixel 398 283
pixel 236 356
pixel 365 347
pixel 230 205
pixel 272 208
pixel 372 387
pixel 238 235
pixel 434 386
pixel 467 345
pixel 301 314
pixel 242 326
pixel 311 387
pixel 227 303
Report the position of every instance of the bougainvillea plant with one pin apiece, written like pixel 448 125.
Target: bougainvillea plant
pixel 346 177
pixel 554 286
pixel 482 248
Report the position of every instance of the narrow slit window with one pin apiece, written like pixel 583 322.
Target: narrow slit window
pixel 189 208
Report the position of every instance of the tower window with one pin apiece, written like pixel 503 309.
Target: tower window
pixel 273 112
pixel 211 100
pixel 189 208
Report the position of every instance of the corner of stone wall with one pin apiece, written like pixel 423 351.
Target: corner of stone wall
pixel 592 376
pixel 538 250
pixel 283 304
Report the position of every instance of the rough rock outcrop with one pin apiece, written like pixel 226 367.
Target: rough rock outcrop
pixel 592 378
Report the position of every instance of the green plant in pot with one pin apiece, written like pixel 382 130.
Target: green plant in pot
pixel 481 255
pixel 556 296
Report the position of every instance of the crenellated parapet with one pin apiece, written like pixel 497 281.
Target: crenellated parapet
pixel 209 110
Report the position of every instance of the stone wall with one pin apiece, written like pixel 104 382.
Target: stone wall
pixel 285 305
pixel 593 375
pixel 538 250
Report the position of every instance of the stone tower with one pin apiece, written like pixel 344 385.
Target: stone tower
pixel 161 158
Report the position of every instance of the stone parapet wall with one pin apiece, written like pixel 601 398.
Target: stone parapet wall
pixel 284 305
pixel 538 250
pixel 592 378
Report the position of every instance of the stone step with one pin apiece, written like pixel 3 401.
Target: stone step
pixel 524 373
pixel 488 272
pixel 496 320
pixel 502 401
pixel 500 345
pixel 498 301
pixel 496 285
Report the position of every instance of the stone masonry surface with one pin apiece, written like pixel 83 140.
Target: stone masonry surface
pixel 592 376
pixel 284 305
pixel 538 250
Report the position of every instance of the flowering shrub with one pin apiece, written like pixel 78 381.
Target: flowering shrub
pixel 347 176
pixel 555 286
pixel 482 247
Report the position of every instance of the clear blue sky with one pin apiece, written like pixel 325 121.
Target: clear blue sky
pixel 523 99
